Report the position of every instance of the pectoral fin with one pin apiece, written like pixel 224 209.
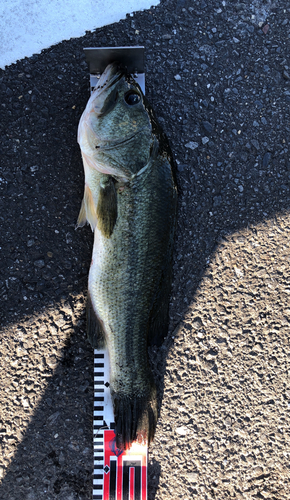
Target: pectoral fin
pixel 107 207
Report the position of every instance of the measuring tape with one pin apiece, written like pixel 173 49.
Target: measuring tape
pixel 118 474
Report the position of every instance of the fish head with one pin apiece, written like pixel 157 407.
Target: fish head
pixel 115 130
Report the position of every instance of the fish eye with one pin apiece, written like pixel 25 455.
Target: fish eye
pixel 132 97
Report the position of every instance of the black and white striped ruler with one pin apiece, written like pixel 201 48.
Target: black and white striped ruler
pixel 118 475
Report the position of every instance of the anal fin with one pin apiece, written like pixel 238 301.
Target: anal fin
pixel 95 331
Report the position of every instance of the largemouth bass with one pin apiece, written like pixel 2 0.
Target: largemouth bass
pixel 130 202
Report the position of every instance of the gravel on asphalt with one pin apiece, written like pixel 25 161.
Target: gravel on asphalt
pixel 218 77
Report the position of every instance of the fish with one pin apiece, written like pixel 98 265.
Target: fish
pixel 130 202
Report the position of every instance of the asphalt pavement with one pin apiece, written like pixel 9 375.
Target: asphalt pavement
pixel 218 77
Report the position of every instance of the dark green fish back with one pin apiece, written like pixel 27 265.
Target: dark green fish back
pixel 132 297
pixel 130 201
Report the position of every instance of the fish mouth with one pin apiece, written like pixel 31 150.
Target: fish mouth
pixel 110 76
pixel 113 73
pixel 114 144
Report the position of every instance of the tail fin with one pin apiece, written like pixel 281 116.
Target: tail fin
pixel 135 418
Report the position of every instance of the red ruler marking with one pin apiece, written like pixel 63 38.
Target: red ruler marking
pixel 118 475
pixel 131 483
pixel 125 472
